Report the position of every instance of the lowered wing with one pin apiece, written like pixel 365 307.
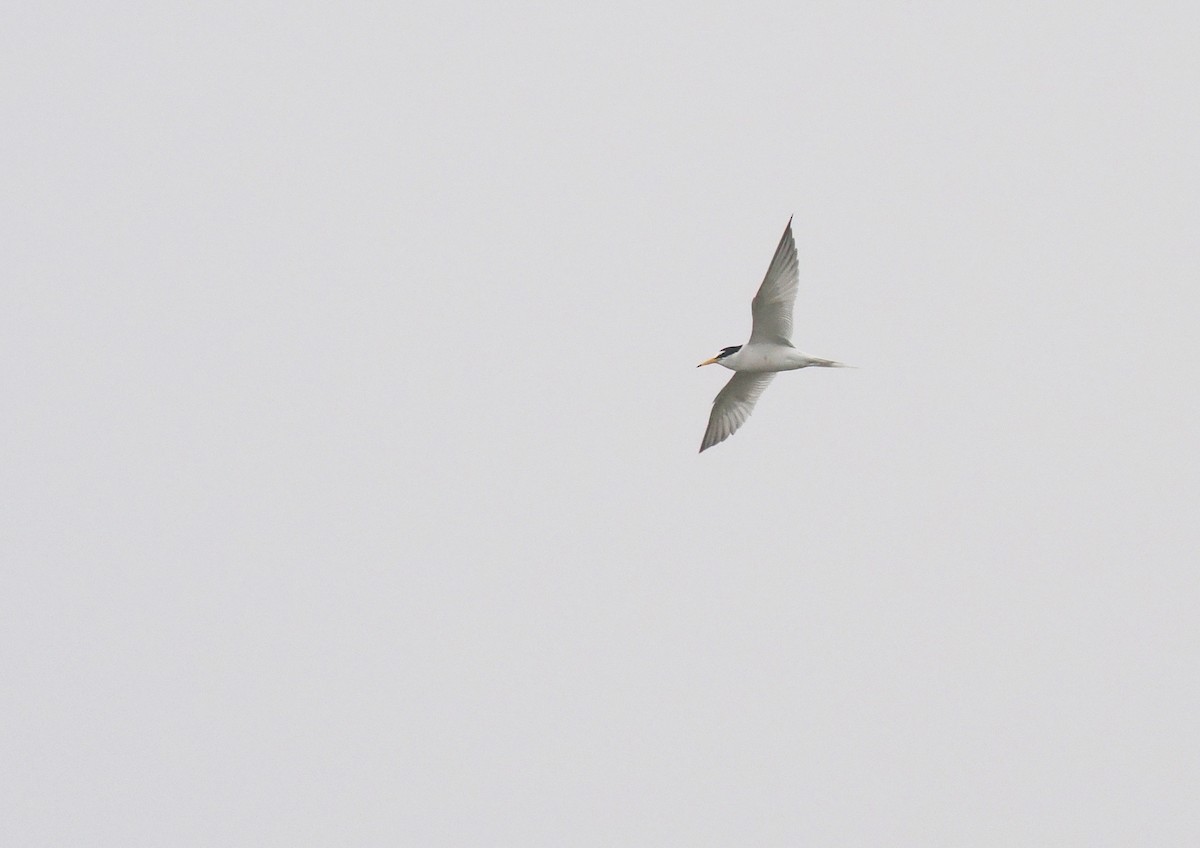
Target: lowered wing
pixel 733 405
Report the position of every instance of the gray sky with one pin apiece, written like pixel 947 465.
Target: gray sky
pixel 350 475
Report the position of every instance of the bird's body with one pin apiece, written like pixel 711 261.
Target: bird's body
pixel 769 350
pixel 769 357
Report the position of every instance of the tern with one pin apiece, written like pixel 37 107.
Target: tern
pixel 769 350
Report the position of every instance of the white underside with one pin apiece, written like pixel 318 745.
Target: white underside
pixel 770 357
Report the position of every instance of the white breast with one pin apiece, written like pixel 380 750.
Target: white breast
pixel 765 357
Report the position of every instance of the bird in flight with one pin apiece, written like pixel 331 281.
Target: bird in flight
pixel 768 351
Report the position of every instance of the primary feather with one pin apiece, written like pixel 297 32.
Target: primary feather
pixel 733 405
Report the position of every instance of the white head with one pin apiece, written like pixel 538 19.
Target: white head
pixel 725 351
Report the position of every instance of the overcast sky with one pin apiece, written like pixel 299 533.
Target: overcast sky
pixel 350 482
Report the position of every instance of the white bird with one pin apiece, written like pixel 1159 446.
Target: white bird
pixel 769 350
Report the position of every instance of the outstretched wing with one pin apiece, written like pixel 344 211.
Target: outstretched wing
pixel 772 306
pixel 733 405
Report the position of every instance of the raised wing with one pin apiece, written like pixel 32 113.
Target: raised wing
pixel 772 306
pixel 733 405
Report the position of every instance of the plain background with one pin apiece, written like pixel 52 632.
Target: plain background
pixel 350 486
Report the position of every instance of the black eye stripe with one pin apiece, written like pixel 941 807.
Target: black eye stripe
pixel 726 351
